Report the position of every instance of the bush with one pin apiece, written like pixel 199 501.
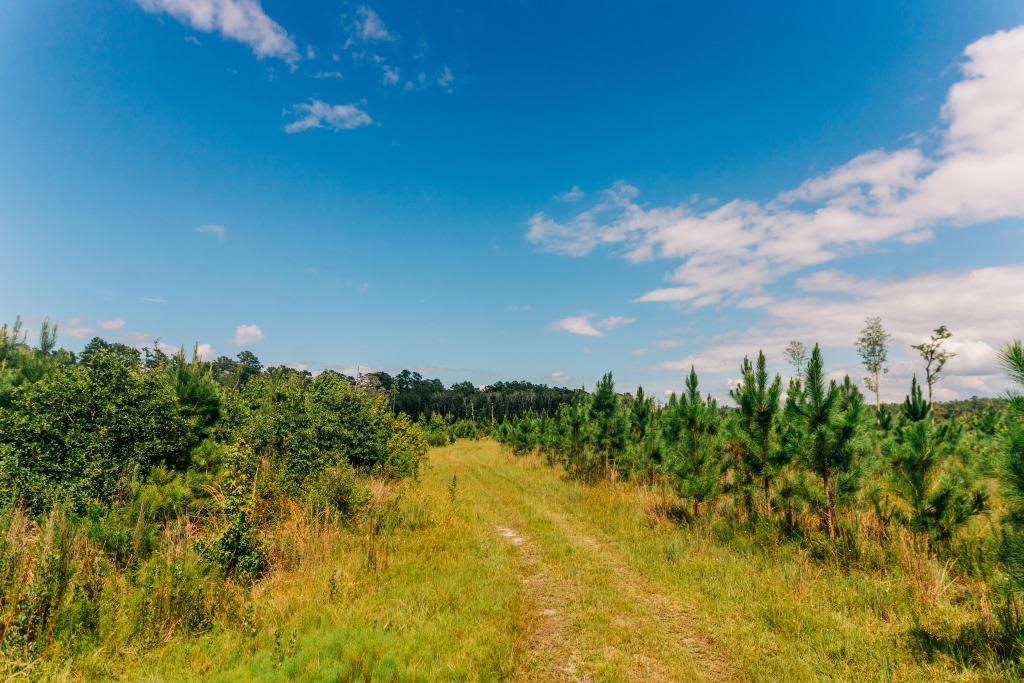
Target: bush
pixel 336 489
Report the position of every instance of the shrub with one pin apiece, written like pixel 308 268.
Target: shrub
pixel 336 489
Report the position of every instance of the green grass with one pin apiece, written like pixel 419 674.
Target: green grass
pixel 586 582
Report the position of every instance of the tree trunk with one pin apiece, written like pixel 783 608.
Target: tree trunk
pixel 768 495
pixel 878 391
pixel 829 521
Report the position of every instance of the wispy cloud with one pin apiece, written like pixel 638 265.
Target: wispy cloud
pixel 446 79
pixel 584 324
pixel 328 75
pixel 74 328
pixel 115 324
pixel 574 194
pixel 247 334
pixel 218 231
pixel 240 20
pixel 734 249
pixel 153 299
pixel 319 114
pixel 369 27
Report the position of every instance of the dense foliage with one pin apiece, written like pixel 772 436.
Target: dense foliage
pixel 124 473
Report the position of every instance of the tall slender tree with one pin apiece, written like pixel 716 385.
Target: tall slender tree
pixel 873 347
pixel 934 355
pixel 696 458
pixel 757 425
pixel 796 355
pixel 827 437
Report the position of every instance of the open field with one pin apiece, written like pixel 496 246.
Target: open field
pixel 523 575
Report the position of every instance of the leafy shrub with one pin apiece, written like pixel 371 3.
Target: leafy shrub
pixel 336 489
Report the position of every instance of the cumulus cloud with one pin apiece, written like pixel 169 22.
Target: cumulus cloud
pixel 975 304
pixel 218 231
pixel 319 114
pixel 205 352
pixel 247 334
pixel 115 324
pixel 240 20
pixel 734 249
pixel 585 324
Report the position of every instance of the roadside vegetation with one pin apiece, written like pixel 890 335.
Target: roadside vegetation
pixel 927 498
pixel 166 518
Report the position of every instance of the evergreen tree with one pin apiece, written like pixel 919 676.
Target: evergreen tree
pixel 695 459
pixel 933 492
pixel 608 428
pixel 829 420
pixel 1012 471
pixel 757 428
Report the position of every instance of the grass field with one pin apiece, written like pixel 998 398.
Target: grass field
pixel 497 568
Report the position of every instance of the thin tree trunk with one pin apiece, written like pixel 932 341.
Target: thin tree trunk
pixel 878 391
pixel 768 494
pixel 828 505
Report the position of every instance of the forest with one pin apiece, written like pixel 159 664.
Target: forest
pixel 153 498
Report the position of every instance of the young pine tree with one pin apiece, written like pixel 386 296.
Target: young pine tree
pixel 695 460
pixel 757 429
pixel 607 424
pixel 826 435
pixel 933 492
pixel 1012 471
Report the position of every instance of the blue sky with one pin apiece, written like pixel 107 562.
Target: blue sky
pixel 489 190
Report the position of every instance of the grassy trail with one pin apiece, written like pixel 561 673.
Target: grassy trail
pixel 590 613
pixel 501 569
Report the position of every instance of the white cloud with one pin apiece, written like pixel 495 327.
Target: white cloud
pixel 247 334
pixel 391 75
pixel 328 74
pixel 240 20
pixel 584 324
pixel 734 249
pixel 559 377
pixel 574 194
pixel 614 322
pixel 218 231
pixel 205 352
pixel 370 28
pixel 153 299
pixel 318 114
pixel 192 40
pixel 977 306
pixel 446 78
pixel 75 328
pixel 114 324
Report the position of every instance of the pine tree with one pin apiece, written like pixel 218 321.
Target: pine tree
pixel 757 429
pixel 934 494
pixel 828 422
pixel 696 459
pixel 608 427
pixel 1012 471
